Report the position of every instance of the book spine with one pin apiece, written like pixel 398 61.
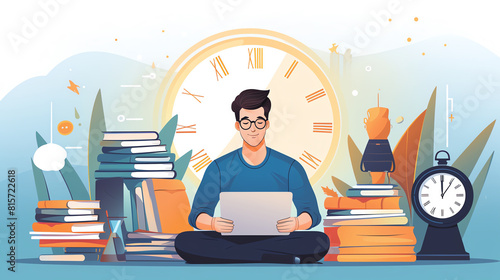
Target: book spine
pixel 150 206
pixel 53 204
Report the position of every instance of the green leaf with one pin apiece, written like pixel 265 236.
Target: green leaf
pixel 167 133
pixel 75 185
pixel 97 126
pixel 355 154
pixel 478 187
pixel 468 159
pixel 40 184
pixel 39 140
pixel 181 165
pixel 340 185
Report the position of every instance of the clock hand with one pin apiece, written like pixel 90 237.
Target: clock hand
pixel 442 181
pixel 451 181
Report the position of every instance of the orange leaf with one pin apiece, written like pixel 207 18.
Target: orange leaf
pixel 406 154
pixel 329 192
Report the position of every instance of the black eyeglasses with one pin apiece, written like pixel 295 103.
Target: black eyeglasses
pixel 245 124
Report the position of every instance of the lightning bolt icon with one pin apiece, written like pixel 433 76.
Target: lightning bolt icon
pixel 73 87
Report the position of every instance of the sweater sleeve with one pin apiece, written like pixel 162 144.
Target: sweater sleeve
pixel 207 195
pixel 303 194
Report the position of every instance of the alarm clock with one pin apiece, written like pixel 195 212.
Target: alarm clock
pixel 442 196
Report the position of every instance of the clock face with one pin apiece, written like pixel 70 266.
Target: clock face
pixel 304 117
pixel 442 195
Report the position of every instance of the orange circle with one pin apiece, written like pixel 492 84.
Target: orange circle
pixel 409 39
pixel 163 31
pixel 416 18
pixel 390 19
pixel 423 53
pixel 445 45
pixel 65 127
pixel 116 40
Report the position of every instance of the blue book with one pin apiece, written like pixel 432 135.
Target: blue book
pixel 135 174
pixel 135 150
pixel 139 158
pixel 105 166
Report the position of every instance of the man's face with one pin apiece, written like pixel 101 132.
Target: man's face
pixel 254 119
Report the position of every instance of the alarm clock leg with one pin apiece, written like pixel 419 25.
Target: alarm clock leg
pixel 443 244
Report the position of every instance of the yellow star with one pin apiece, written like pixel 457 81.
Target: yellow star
pixel 333 49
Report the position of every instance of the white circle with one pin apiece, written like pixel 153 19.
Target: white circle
pixel 70 69
pixel 83 86
pixel 139 57
pixel 355 93
pixel 368 68
pixel 121 118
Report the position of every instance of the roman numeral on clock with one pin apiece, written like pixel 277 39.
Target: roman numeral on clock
pixel 186 128
pixel 195 96
pixel 217 61
pixel 315 95
pixel 291 68
pixel 203 160
pixel 433 210
pixel 323 127
pixel 310 159
pixel 257 59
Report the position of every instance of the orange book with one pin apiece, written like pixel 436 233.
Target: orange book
pixel 369 258
pixel 374 250
pixel 73 204
pixel 334 203
pixel 173 205
pixel 69 227
pixel 97 243
pixel 370 236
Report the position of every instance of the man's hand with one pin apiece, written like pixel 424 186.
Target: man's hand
pixel 222 225
pixel 288 224
pixel 207 222
pixel 303 221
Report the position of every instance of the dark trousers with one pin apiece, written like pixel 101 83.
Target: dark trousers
pixel 212 247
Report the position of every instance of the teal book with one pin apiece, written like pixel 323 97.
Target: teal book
pixel 65 219
pixel 139 158
pixel 105 166
pixel 64 212
pixel 135 150
pixel 371 193
pixel 135 174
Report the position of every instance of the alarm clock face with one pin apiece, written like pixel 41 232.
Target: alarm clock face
pixel 442 195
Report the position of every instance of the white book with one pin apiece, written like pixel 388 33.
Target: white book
pixel 81 236
pixel 374 186
pixel 130 135
pixel 354 217
pixel 134 143
pixel 364 212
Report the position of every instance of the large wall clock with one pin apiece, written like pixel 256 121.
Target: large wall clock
pixel 203 82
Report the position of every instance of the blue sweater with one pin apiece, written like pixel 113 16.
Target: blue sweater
pixel 231 173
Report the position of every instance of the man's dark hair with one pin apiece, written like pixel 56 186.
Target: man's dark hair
pixel 251 99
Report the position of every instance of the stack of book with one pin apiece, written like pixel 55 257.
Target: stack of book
pixel 72 225
pixel 134 155
pixel 150 246
pixel 368 226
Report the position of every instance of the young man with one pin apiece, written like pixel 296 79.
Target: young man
pixel 253 167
